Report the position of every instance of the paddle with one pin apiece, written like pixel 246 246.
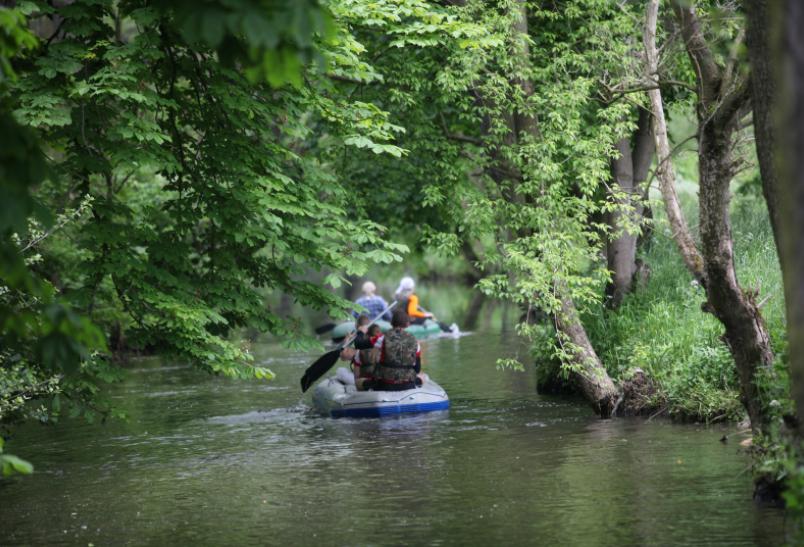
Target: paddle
pixel 325 362
pixel 443 326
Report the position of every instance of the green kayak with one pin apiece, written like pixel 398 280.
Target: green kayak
pixel 429 328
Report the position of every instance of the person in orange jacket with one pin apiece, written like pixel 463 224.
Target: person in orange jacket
pixel 409 302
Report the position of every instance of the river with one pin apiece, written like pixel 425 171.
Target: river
pixel 213 461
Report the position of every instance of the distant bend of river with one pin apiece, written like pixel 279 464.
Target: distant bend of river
pixel 212 461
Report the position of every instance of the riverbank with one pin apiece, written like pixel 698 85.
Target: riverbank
pixel 662 331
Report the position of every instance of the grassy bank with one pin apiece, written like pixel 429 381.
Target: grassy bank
pixel 661 328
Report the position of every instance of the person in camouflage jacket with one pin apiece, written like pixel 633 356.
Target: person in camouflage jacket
pixel 393 363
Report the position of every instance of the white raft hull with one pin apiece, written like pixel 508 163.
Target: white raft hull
pixel 332 397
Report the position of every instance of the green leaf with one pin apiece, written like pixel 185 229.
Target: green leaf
pixel 12 464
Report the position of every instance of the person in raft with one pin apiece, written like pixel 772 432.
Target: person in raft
pixel 393 364
pixel 409 302
pixel 371 302
pixel 374 332
pixel 362 336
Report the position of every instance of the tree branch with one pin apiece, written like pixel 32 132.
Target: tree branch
pixel 731 64
pixel 617 93
pixel 339 78
pixel 732 103
pixel 457 136
pixel 706 68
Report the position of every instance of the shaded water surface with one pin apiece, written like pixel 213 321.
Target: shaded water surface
pixel 212 461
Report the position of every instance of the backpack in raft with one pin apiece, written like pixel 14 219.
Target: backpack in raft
pixel 398 365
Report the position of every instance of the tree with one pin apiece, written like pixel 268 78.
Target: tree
pixel 173 194
pixel 777 54
pixel 480 167
pixel 546 145
pixel 763 99
pixel 35 326
pixel 629 172
pixel 723 91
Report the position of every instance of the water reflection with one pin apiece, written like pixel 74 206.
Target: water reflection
pixel 215 461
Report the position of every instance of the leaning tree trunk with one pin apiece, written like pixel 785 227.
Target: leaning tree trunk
pixel 664 168
pixel 722 96
pixel 588 371
pixel 746 334
pixel 629 171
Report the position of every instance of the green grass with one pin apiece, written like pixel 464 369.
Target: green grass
pixel 661 329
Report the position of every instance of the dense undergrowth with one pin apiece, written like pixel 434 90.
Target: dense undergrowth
pixel 662 329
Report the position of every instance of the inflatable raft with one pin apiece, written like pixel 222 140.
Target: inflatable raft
pixel 429 328
pixel 338 398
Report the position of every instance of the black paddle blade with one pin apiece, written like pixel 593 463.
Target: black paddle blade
pixel 326 327
pixel 319 368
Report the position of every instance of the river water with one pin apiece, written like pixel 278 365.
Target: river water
pixel 211 461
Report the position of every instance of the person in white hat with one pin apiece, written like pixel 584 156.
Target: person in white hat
pixel 409 302
pixel 372 303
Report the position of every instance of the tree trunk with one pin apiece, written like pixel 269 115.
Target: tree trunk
pixel 588 371
pixel 644 147
pixel 629 171
pixel 664 169
pixel 746 334
pixel 621 249
pixel 470 318
pixel 472 314
pixel 721 97
pixel 763 98
pixel 789 110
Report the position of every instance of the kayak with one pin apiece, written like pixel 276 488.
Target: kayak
pixel 343 329
pixel 429 328
pixel 338 398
